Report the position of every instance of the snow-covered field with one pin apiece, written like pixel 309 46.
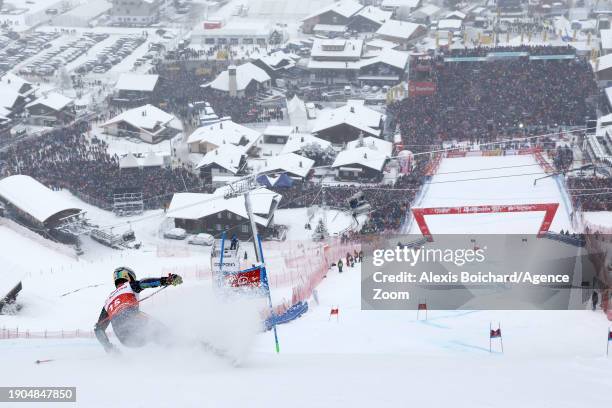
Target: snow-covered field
pixel 363 359
pixel 366 358
pixel 489 181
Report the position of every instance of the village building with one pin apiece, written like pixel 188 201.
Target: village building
pixel 348 122
pixel 401 32
pixel 369 19
pixel 242 80
pixel 336 13
pixel 223 132
pixel 135 89
pixel 147 123
pixel 50 110
pixel 213 214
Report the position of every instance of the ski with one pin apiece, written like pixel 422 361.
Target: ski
pixel 221 353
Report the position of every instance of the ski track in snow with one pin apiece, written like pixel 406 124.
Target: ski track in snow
pixel 365 359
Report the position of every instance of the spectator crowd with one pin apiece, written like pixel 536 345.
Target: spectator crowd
pixel 483 101
pixel 64 158
pixel 591 193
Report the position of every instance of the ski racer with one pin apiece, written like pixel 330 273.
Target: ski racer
pixel 132 327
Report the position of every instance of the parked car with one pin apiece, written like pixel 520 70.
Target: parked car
pixel 201 239
pixel 175 233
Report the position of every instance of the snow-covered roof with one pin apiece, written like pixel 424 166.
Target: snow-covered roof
pixel 375 14
pixel 609 95
pixel 297 141
pixel 193 206
pixel 428 10
pixel 336 48
pixel 606 39
pixel 295 105
pixel 275 59
pixel 87 10
pixel 374 143
pixel 288 163
pixel 364 156
pixel 13 81
pixel 224 132
pixel 146 117
pixel 8 96
pixel 237 28
pixel 129 161
pixel 397 59
pixel 52 100
pixel 450 24
pixel 400 3
pixel 456 14
pixel 346 8
pixel 245 73
pixel 278 130
pixel 354 114
pixel 227 156
pixel 398 29
pixel 382 44
pixel 604 62
pixel 32 197
pixel 137 82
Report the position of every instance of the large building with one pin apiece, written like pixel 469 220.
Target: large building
pixel 334 61
pixel 336 13
pixel 147 123
pixel 348 123
pixel 387 68
pixel 36 205
pixel 50 110
pixel 135 12
pixel 401 32
pixel 224 132
pixel 212 213
pixel 233 33
pixel 242 80
pixel 135 88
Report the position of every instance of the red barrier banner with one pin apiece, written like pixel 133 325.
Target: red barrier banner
pixel 250 277
pixel 549 209
pixel 421 88
pixel 455 153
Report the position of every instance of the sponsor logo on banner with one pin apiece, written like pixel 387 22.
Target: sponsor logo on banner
pixel 250 277
pixel 421 88
pixel 455 153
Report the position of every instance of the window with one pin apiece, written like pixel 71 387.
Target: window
pixel 244 228
pixel 219 215
pixel 218 227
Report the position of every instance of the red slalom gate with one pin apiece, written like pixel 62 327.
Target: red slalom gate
pixel 550 210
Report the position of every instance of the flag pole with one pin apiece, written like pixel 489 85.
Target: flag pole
pixel 501 336
pixel 608 342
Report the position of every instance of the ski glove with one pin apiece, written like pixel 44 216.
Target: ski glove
pixel 174 279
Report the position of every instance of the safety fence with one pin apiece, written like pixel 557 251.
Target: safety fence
pixel 6 334
pixel 544 164
pixel 298 265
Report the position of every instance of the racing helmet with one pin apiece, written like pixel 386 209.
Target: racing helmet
pixel 123 272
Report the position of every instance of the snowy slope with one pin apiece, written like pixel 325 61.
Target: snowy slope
pixel 368 358
pixel 492 180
